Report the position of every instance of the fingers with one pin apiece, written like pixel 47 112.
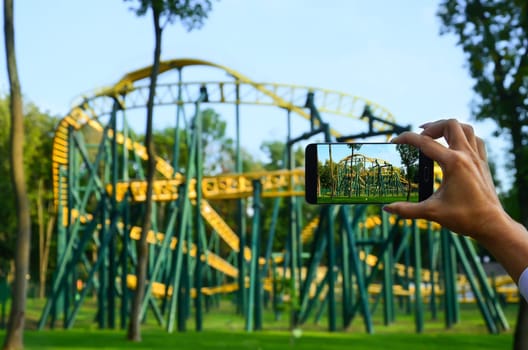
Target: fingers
pixel 450 129
pixel 426 144
pixel 481 149
pixel 455 133
pixel 470 136
pixel 408 210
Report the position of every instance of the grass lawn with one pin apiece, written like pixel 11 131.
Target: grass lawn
pixel 223 329
pixel 273 340
pixel 374 199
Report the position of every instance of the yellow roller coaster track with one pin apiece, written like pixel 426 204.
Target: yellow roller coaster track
pixel 277 183
pixel 290 97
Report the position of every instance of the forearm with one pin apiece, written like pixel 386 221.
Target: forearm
pixel 507 241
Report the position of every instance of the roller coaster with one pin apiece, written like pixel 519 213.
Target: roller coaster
pixel 209 237
pixel 360 176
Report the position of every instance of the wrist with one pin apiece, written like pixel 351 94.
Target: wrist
pixel 494 223
pixel 507 241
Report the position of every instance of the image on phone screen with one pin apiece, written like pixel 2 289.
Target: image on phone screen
pixel 341 173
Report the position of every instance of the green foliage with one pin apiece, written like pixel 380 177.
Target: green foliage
pixel 275 151
pixel 409 156
pixel 218 148
pixel 39 127
pixel 191 13
pixel 494 37
pixel 324 175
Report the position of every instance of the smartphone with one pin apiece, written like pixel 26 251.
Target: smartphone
pixel 366 173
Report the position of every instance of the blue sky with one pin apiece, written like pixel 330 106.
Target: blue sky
pixel 387 51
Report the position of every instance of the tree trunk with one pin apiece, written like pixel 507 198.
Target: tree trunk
pixel 520 339
pixel 45 232
pixel 15 328
pixel 134 327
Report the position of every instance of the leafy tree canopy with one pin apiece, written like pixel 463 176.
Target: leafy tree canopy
pixel 191 12
pixel 494 37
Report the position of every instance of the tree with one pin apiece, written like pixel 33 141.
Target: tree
pixel 216 145
pixel 191 14
pixel 494 37
pixel 353 147
pixel 409 157
pixel 38 129
pixel 276 151
pixel 15 330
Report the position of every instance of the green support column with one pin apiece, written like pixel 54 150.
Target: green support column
pixel 114 217
pixel 331 255
pixel 254 309
pixel 271 232
pixel 104 236
pixel 477 292
pixel 418 302
pixel 53 302
pixel 177 259
pixel 375 269
pixel 407 255
pixel 124 264
pixel 318 247
pixel 432 257
pixel 185 219
pixel 351 230
pixel 198 223
pixel 217 274
pixel 388 295
pixel 101 258
pixel 489 293
pixel 70 233
pixel 295 252
pixel 346 273
pixel 126 244
pixel 241 218
pixel 449 288
pixel 179 111
pixel 404 249
pixel 453 277
pixel 163 251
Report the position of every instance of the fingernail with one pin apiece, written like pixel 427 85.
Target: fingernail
pixel 425 125
pixel 388 209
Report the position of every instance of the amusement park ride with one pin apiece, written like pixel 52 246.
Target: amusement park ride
pixel 345 260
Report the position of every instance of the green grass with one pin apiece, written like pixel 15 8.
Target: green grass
pixel 365 199
pixel 234 340
pixel 223 329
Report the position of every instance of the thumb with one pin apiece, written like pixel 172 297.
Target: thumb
pixel 405 210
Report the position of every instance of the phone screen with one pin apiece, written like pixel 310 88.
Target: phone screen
pixel 367 173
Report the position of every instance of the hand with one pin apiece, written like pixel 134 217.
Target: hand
pixel 466 201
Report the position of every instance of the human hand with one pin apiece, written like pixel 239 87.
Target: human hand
pixel 466 201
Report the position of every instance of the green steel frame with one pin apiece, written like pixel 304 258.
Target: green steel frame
pixel 346 261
